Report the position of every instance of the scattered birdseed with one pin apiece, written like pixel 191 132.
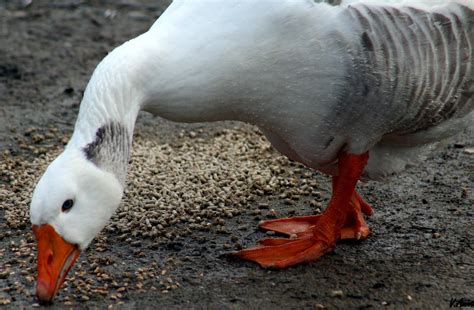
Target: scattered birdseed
pixel 195 182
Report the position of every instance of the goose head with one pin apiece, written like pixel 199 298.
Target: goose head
pixel 72 202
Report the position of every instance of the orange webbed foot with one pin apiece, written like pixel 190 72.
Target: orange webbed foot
pixel 354 228
pixel 306 240
pixel 280 253
pixel 310 237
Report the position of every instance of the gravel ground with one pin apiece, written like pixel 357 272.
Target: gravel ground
pixel 196 192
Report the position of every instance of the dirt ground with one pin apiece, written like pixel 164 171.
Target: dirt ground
pixel 420 254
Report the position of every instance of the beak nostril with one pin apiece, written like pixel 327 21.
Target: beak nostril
pixel 49 260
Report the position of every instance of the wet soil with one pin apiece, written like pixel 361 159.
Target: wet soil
pixel 420 253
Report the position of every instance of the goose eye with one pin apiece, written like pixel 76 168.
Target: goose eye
pixel 67 205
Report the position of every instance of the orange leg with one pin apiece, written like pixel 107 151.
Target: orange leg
pixel 355 226
pixel 313 236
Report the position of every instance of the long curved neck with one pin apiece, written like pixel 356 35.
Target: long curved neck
pixel 111 96
pixel 108 111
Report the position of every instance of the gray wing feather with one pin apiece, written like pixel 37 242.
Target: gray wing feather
pixel 421 61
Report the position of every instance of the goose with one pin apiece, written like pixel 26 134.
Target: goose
pixel 358 90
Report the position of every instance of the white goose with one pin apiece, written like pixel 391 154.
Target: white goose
pixel 358 90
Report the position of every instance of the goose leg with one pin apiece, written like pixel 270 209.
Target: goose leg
pixel 355 226
pixel 313 236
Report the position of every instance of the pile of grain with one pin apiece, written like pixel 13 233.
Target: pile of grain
pixel 201 182
pixel 195 183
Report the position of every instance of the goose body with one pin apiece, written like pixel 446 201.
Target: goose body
pixel 327 85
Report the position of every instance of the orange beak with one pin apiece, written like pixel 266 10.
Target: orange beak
pixel 55 258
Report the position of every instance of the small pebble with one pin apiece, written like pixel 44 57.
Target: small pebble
pixel 469 150
pixel 4 274
pixel 337 293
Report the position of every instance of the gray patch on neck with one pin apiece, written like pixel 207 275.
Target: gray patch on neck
pixel 331 2
pixel 110 150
